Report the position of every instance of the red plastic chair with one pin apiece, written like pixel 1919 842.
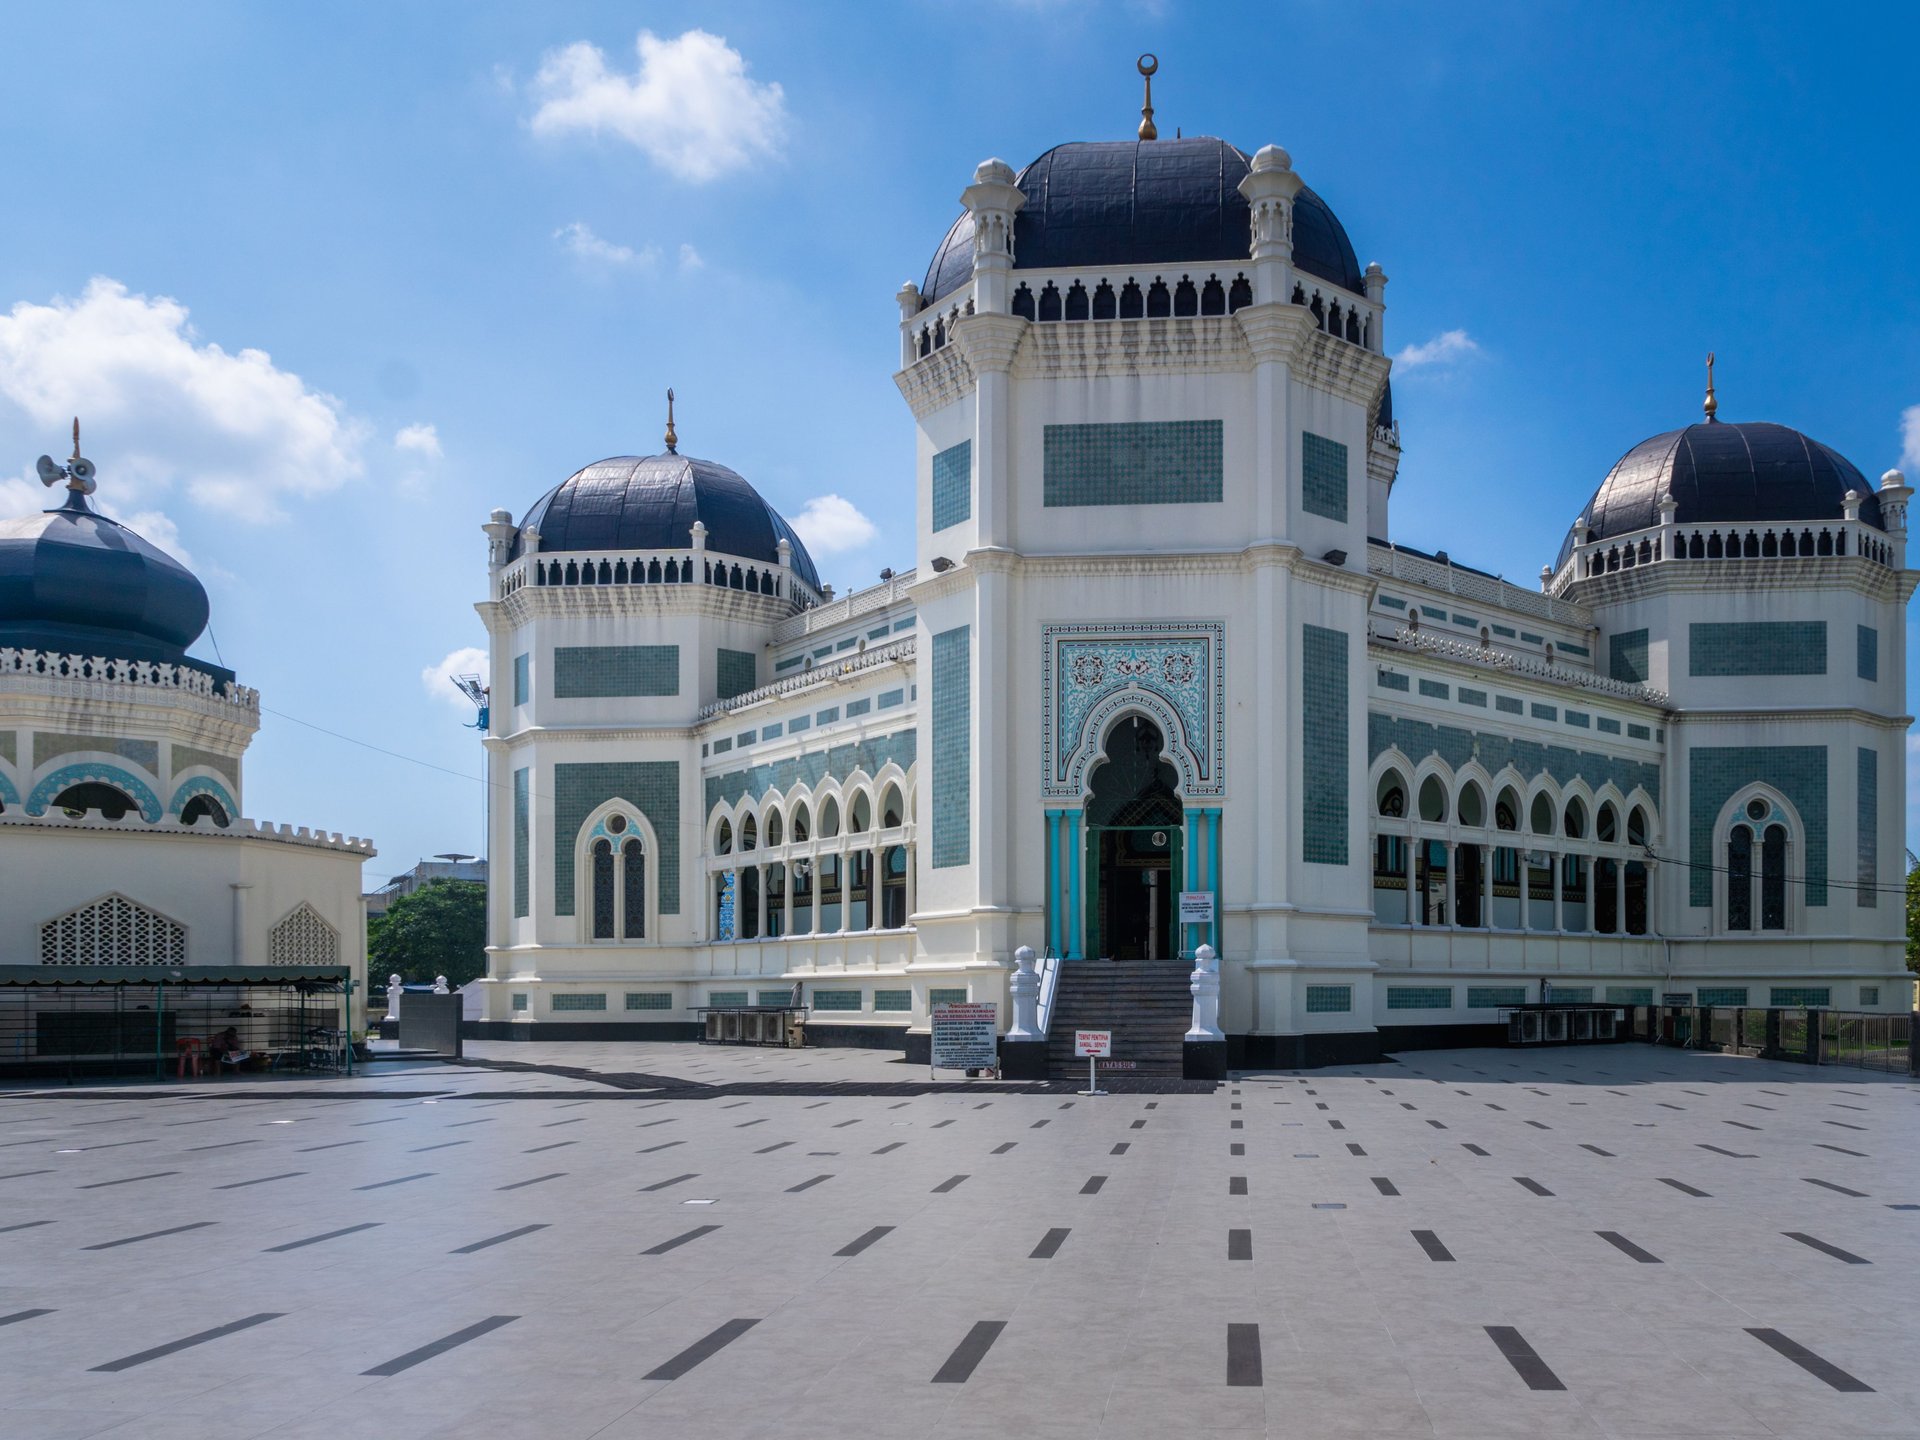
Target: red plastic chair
pixel 192 1053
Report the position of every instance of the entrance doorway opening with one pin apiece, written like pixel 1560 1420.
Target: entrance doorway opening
pixel 1134 819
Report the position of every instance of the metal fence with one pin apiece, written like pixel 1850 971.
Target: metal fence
pixel 1866 1042
pixel 64 1032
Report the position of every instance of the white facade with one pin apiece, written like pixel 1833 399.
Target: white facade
pixel 1415 791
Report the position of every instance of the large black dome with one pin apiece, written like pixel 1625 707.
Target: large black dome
pixel 1153 202
pixel 1754 472
pixel 650 503
pixel 73 580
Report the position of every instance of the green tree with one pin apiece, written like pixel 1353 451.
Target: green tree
pixel 440 929
pixel 1913 913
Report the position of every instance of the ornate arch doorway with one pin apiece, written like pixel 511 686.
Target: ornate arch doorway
pixel 1135 824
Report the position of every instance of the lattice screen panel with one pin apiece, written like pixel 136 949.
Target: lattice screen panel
pixel 113 931
pixel 303 938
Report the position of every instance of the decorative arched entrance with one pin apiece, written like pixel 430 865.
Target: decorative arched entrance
pixel 1134 820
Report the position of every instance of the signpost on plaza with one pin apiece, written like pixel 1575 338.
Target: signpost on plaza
pixel 1095 1045
pixel 963 1037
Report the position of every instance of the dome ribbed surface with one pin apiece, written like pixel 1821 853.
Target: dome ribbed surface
pixel 650 503
pixel 1099 204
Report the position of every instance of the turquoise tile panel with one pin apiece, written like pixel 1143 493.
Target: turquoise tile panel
pixel 649 1000
pixel 1508 705
pixel 1867 791
pixel 893 1001
pixel 1433 689
pixel 1419 997
pixel 1162 462
pixel 521 867
pixel 953 485
pixel 1629 994
pixel 1456 745
pixel 952 740
pixel 522 679
pixel 859 707
pixel 1329 999
pixel 1323 476
pixel 735 673
pixel 650 786
pixel 1323 745
pixel 835 762
pixel 1800 997
pixel 1715 771
pixel 1867 648
pixel 1757 647
pixel 1392 680
pixel 1492 997
pixel 836 1000
pixel 579 1002
pixel 1473 697
pixel 598 672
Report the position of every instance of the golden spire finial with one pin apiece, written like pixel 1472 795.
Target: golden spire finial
pixel 76 437
pixel 1712 406
pixel 1148 66
pixel 673 440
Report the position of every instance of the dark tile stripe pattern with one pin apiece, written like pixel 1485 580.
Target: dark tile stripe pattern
pixel 1243 1355
pixel 1824 1248
pixel 441 1346
pixel 677 1241
pixel 127 1362
pixel 854 1247
pixel 1627 1247
pixel 1049 1245
pixel 969 1353
pixel 1813 1364
pixel 316 1239
pixel 1430 1243
pixel 1524 1359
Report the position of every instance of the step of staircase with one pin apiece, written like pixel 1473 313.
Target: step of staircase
pixel 1145 1003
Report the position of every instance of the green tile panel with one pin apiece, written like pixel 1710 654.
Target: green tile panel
pixel 1492 997
pixel 519 1000
pixel 1456 745
pixel 893 1001
pixel 521 842
pixel 836 1000
pixel 735 673
pixel 952 739
pixel 1163 462
pixel 1473 697
pixel 579 1002
pixel 836 762
pixel 956 996
pixel 47 744
pixel 1867 793
pixel 1323 745
pixel 649 1000
pixel 522 679
pixel 598 672
pixel 1732 997
pixel 727 997
pixel 1867 652
pixel 650 786
pixel 187 757
pixel 1329 999
pixel 1392 680
pixel 1570 994
pixel 1629 994
pixel 1715 771
pixel 1800 997
pixel 1433 689
pixel 953 485
pixel 1323 476
pixel 1757 647
pixel 1419 997
pixel 1508 705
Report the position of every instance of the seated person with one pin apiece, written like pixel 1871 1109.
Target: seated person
pixel 227 1049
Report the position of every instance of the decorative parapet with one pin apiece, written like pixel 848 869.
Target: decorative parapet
pixel 896 651
pixel 1445 647
pixel 848 607
pixel 138 674
pixel 1472 585
pixel 237 830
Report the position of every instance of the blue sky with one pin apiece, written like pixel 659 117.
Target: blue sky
pixel 329 283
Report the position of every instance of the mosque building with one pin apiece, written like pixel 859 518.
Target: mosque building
pixel 126 859
pixel 1161 639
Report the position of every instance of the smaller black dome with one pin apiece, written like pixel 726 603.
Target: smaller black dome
pixel 650 503
pixel 73 580
pixel 1751 472
pixel 1153 202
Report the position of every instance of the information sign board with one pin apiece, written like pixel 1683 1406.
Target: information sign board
pixel 963 1036
pixel 1092 1042
pixel 1196 907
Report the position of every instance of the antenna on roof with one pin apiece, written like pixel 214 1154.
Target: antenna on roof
pixel 1712 406
pixel 673 440
pixel 1148 65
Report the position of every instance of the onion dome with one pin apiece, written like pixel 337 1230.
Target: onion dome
pixel 1718 473
pixel 650 502
pixel 1103 204
pixel 73 580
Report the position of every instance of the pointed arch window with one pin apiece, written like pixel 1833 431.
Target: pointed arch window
pixel 1740 879
pixel 1773 878
pixel 603 890
pixel 633 890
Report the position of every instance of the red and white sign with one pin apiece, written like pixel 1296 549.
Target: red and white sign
pixel 1092 1042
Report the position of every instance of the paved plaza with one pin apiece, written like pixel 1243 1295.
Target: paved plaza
pixel 638 1240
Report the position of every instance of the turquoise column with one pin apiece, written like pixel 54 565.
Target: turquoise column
pixel 1053 881
pixel 1213 874
pixel 1074 905
pixel 1193 877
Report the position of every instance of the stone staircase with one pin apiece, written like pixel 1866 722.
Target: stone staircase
pixel 1145 1003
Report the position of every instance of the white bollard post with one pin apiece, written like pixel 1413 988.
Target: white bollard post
pixel 1205 988
pixel 440 985
pixel 394 990
pixel 1024 986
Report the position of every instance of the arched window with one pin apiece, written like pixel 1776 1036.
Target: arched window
pixel 860 814
pixel 893 888
pixel 749 834
pixel 1023 302
pixel 1540 820
pixel 1104 304
pixel 112 802
pixel 1433 800
pixel 829 818
pixel 1506 811
pixel 776 901
pixel 1473 805
pixel 1241 293
pixel 773 829
pixel 1050 302
pixel 603 890
pixel 1606 826
pixel 1077 301
pixel 1773 878
pixel 204 807
pixel 723 839
pixel 1576 821
pixel 800 823
pixel 1740 879
pixel 1637 826
pixel 1159 300
pixel 1186 299
pixel 113 930
pixel 892 813
pixel 303 938
pixel 1392 797
pixel 1132 304
pixel 1213 297
pixel 633 890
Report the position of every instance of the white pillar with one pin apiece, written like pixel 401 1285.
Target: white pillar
pixel 1205 988
pixel 240 923
pixel 1486 887
pixel 1024 986
pixel 1559 892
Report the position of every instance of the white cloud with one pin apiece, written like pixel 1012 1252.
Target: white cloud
pixel 579 240
pixel 830 525
pixel 421 440
pixel 1910 442
pixel 438 679
pixel 690 106
pixel 233 428
pixel 1444 349
pixel 690 258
